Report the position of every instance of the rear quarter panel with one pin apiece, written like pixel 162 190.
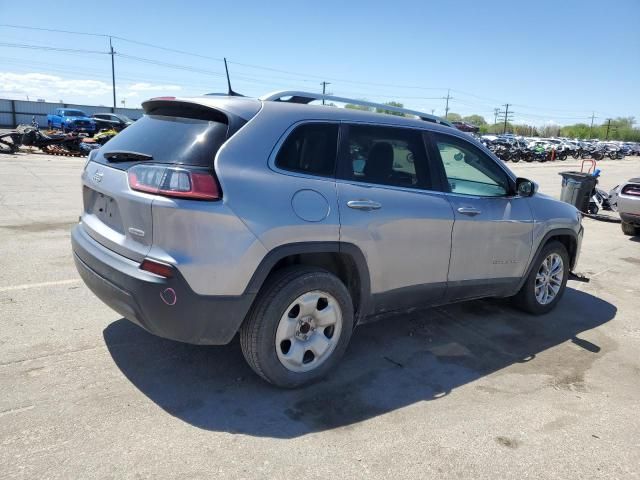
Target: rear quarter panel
pixel 263 197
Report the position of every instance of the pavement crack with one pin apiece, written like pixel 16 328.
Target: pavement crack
pixel 55 354
pixel 16 410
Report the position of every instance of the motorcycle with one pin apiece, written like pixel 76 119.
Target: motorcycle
pixel 10 142
pixel 103 136
pixel 599 198
pixel 61 144
pixel 595 152
pixel 614 153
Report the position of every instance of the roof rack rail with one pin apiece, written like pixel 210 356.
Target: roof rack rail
pixel 294 96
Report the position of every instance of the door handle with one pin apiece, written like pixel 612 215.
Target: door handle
pixel 364 204
pixel 472 212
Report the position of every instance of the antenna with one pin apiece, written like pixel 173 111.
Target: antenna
pixel 230 92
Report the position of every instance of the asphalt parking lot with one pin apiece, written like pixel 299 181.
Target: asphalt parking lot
pixel 476 390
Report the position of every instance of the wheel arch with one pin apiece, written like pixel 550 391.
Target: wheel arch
pixel 345 260
pixel 567 237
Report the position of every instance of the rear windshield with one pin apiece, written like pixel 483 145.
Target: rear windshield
pixel 169 139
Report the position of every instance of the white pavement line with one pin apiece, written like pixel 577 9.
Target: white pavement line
pixel 26 286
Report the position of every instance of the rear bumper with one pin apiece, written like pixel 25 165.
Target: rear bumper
pixel 168 308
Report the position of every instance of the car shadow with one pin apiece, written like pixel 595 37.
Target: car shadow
pixel 390 364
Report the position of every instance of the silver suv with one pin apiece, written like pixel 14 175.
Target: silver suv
pixel 292 223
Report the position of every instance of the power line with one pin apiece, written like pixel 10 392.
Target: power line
pixel 250 79
pixel 104 35
pixel 24 27
pixel 171 65
pixel 219 59
pixel 55 49
pixel 167 49
pixel 474 95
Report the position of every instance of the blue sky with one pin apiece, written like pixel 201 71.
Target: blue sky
pixel 555 61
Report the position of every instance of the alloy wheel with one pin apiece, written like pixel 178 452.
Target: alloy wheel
pixel 549 279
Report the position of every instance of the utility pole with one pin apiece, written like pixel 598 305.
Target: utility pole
pixel 113 73
pixel 496 111
pixel 608 127
pixel 506 117
pixel 324 88
pixel 593 116
pixel 446 108
pixel 506 114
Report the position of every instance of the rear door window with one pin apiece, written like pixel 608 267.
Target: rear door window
pixel 310 148
pixel 386 155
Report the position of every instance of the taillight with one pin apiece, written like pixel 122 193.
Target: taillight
pixel 633 190
pixel 174 182
pixel 157 268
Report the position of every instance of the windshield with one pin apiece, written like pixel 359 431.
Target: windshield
pixel 74 113
pixel 167 139
pixel 124 118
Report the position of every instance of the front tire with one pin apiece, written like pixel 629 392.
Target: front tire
pixel 299 326
pixel 546 282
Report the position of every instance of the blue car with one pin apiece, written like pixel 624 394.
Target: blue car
pixel 71 120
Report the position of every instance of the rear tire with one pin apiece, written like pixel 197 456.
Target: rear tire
pixel 629 229
pixel 288 338
pixel 545 285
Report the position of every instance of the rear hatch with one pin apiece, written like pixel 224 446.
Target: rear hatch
pixel 173 134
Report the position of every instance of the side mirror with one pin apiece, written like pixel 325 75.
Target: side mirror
pixel 525 187
pixel 458 157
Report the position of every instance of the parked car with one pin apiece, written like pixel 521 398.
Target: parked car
pixel 111 121
pixel 292 238
pixel 466 127
pixel 625 199
pixel 70 120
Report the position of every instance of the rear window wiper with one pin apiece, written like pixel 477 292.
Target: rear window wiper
pixel 125 156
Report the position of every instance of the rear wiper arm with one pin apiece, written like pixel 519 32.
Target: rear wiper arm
pixel 124 156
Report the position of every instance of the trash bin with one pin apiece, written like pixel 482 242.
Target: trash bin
pixel 577 188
